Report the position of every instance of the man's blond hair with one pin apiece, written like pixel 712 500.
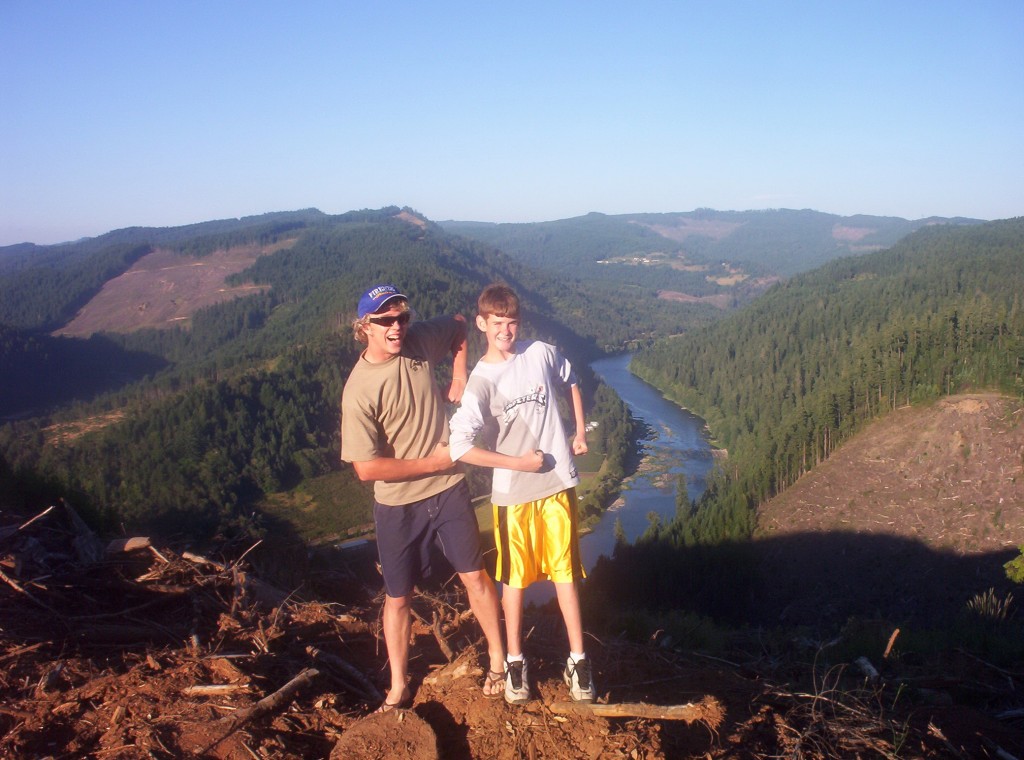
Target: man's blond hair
pixel 361 325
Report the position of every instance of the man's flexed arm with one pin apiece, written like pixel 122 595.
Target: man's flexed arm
pixel 460 366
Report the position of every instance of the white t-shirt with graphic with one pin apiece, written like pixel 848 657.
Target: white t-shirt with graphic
pixel 513 407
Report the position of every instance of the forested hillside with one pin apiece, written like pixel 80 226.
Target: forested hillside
pixel 311 283
pixel 190 428
pixel 786 380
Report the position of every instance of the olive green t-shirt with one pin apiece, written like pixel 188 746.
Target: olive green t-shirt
pixel 395 409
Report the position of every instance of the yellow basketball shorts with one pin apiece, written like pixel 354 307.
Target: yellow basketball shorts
pixel 538 540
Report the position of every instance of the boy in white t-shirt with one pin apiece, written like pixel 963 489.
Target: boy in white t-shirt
pixel 510 397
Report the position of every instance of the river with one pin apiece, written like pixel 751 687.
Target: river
pixel 677 445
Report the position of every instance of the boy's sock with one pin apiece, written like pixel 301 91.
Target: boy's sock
pixel 577 657
pixel 515 657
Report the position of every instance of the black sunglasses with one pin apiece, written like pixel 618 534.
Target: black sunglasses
pixel 402 319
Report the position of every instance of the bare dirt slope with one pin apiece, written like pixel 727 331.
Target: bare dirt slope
pixel 165 288
pixel 910 519
pixel 951 476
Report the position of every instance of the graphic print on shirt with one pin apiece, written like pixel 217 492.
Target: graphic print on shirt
pixel 537 396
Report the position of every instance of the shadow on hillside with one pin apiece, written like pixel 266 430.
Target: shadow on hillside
pixel 60 371
pixel 807 579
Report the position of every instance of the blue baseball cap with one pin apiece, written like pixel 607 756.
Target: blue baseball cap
pixel 373 300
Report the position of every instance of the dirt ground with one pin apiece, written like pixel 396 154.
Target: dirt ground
pixel 201 668
pixel 153 654
pixel 110 650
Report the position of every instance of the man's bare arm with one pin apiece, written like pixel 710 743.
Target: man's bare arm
pixel 391 469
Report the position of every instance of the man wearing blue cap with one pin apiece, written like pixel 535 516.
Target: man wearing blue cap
pixel 394 432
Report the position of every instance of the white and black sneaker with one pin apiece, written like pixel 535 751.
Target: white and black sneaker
pixel 517 683
pixel 579 679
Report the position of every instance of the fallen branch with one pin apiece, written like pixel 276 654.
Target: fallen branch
pixel 441 641
pixel 17 587
pixel 333 661
pixel 213 689
pixel 261 591
pixel 435 628
pixel 708 710
pixel 459 669
pixel 22 650
pixel 13 529
pixel 998 751
pixel 20 714
pixel 996 668
pixel 937 733
pixel 198 559
pixel 269 704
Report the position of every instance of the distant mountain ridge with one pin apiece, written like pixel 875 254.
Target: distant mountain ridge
pixel 21 255
pixel 722 257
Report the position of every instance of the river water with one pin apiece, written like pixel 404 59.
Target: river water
pixel 677 445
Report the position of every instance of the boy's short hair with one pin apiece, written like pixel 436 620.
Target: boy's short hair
pixel 359 323
pixel 499 300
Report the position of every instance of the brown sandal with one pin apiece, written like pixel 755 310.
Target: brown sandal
pixel 494 684
pixel 404 704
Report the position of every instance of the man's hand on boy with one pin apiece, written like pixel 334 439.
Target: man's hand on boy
pixel 579 445
pixel 459 368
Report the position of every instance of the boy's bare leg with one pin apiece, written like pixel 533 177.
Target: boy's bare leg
pixel 397 630
pixel 483 600
pixel 569 603
pixel 512 603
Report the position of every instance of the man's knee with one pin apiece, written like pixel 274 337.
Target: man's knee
pixel 477 581
pixel 397 604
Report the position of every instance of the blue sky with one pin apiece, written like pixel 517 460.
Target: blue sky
pixel 117 114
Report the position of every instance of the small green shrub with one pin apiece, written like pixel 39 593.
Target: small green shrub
pixel 1015 568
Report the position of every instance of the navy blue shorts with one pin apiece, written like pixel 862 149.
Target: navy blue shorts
pixel 407 534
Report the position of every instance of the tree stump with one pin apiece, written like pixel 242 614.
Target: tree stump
pixel 387 736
